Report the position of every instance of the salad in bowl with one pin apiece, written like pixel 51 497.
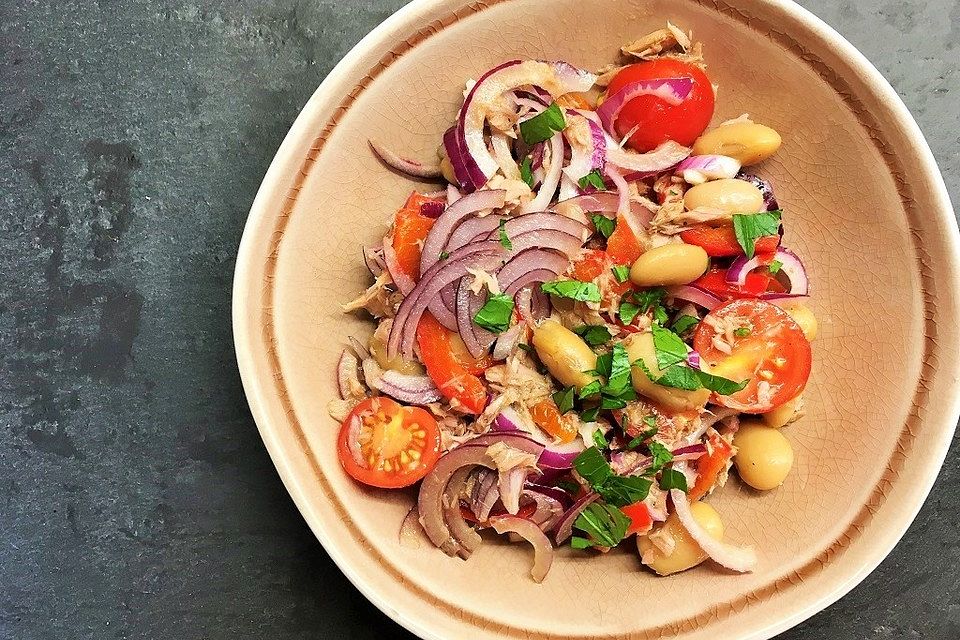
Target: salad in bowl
pixel 590 324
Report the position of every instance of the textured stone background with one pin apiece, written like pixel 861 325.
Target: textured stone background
pixel 136 499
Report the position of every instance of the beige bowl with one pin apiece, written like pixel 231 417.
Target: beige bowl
pixel 865 206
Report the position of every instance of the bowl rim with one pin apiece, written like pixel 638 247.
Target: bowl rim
pixel 410 16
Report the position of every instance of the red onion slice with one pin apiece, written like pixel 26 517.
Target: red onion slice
pixel 465 536
pixel 510 485
pixel 453 194
pixel 694 294
pixel 451 144
pixel 482 255
pixel 507 342
pixel 549 509
pixel 551 179
pixel 348 374
pixel 740 559
pixel 471 228
pixel 403 165
pixel 485 494
pixel 504 156
pixel 662 158
pixel 472 453
pixel 673 91
pixel 529 531
pixel 476 338
pixel 791 266
pixel 565 525
pixel 700 169
pixel 536 221
pixel 456 213
pixel 373 258
pixel 572 78
pixel 418 390
pixel 588 150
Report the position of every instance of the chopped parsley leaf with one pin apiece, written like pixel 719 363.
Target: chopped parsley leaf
pixel 604 524
pixel 444 255
pixel 543 125
pixel 593 179
pixel 673 479
pixel 504 239
pixel 573 289
pixel 628 311
pixel 684 323
pixel 590 415
pixel 621 272
pixel 496 313
pixel 593 334
pixel 564 399
pixel 742 332
pixel 603 224
pixel 526 171
pixel 599 440
pixel 669 348
pixel 661 456
pixel 619 376
pixel 774 267
pixel 591 389
pixel 592 466
pixel 750 226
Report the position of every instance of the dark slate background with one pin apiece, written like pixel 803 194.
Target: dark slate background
pixel 136 499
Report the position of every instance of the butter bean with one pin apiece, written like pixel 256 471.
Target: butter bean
pixel 640 346
pixel 564 354
pixel 748 142
pixel 686 552
pixel 674 263
pixel 764 456
pixel 728 194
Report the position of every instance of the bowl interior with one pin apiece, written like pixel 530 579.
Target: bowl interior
pixel 850 213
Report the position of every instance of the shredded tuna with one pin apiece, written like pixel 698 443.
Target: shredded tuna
pixel 378 299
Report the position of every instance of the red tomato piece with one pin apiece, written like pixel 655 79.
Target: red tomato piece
pixel 721 242
pixel 710 466
pixel 623 247
pixel 774 357
pixel 410 227
pixel 715 281
pixel 640 519
pixel 452 370
pixel 385 444
pixel 655 120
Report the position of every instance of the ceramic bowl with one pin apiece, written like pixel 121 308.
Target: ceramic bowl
pixel 865 206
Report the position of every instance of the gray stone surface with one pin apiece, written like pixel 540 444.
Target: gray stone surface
pixel 136 499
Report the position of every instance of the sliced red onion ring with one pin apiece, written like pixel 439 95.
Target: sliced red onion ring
pixel 693 359
pixel 528 261
pixel 689 452
pixel 348 372
pixel 740 559
pixel 419 390
pixel 551 179
pixel 548 512
pixel 504 156
pixel 481 255
pixel 603 202
pixel 694 294
pixel 485 494
pixel 572 78
pixel 781 299
pixel 403 165
pixel 430 500
pixel 700 169
pixel 673 91
pixel 558 494
pixel 471 228
pixel 587 145
pixel 476 338
pixel 565 525
pixel 791 266
pixel 451 144
pixel 529 531
pixel 510 485
pixel 405 283
pixel 544 220
pixel 465 536
pixel 662 158
pixel 456 213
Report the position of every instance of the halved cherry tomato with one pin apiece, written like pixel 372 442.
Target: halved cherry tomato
pixel 547 416
pixel 452 370
pixel 623 247
pixel 385 444
pixel 710 466
pixel 656 120
pixel 640 519
pixel 410 227
pixel 775 354
pixel 715 281
pixel 721 241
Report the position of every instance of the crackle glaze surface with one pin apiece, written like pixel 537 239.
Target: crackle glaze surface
pixel 881 402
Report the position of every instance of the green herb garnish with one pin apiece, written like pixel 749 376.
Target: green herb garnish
pixel 742 332
pixel 661 456
pixel 592 467
pixel 526 171
pixel 590 415
pixel 604 524
pixel 669 347
pixel 750 226
pixel 591 389
pixel 603 224
pixel 564 399
pixel 774 267
pixel 496 313
pixel 593 179
pixel 673 479
pixel 573 289
pixel 628 311
pixel 599 440
pixel 684 323
pixel 593 334
pixel 444 255
pixel 621 272
pixel 504 239
pixel 543 125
